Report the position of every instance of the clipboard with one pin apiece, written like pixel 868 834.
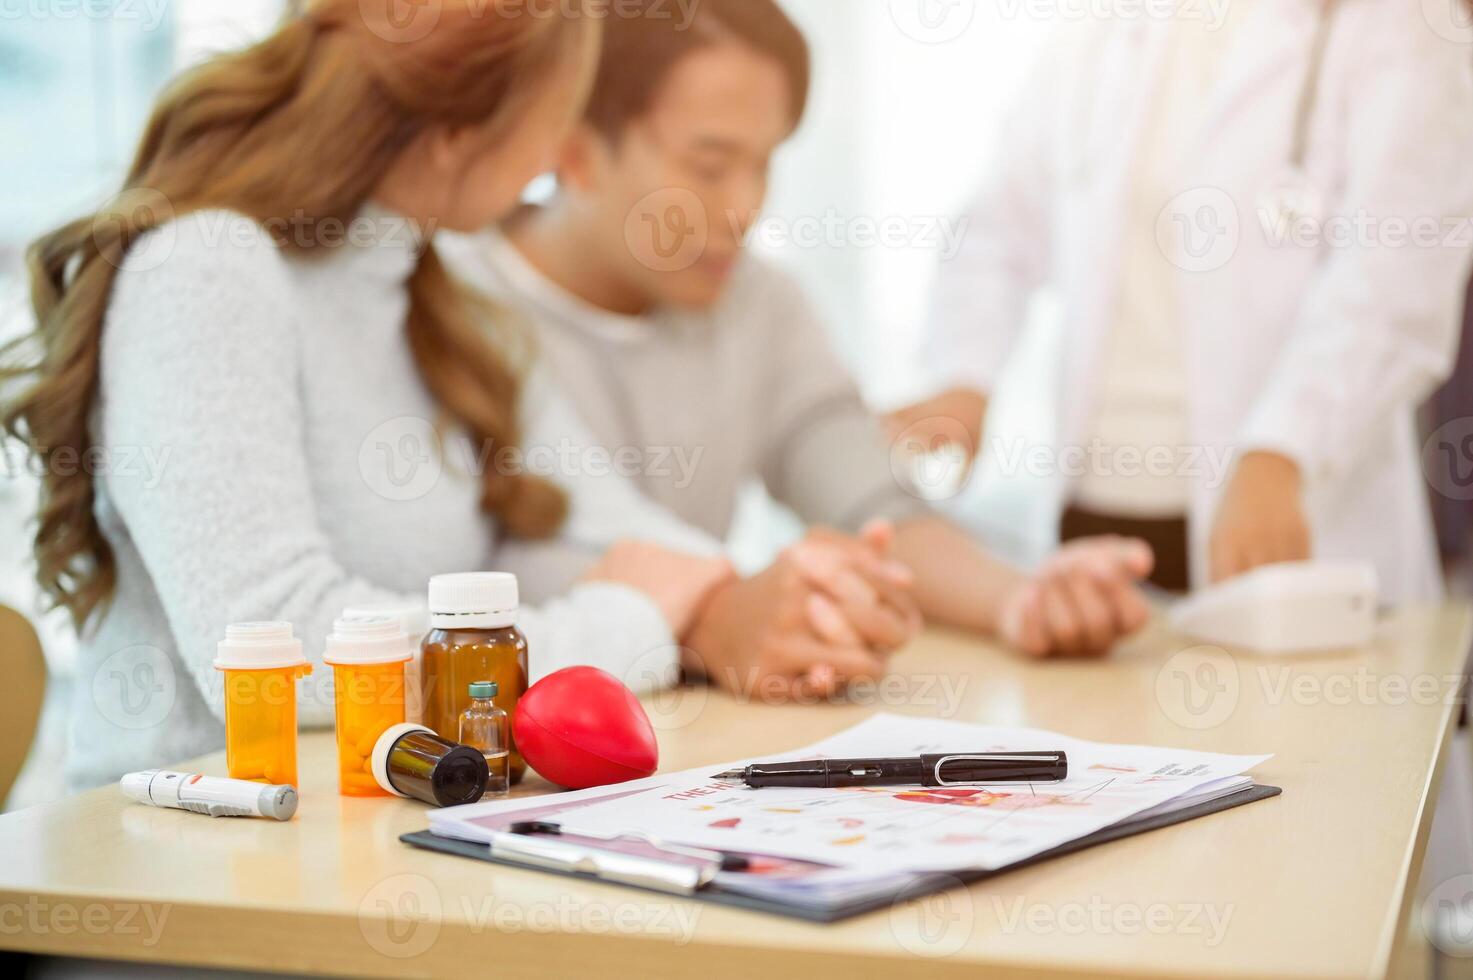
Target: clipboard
pixel 615 864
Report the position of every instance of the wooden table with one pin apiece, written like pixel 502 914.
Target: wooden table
pixel 1314 883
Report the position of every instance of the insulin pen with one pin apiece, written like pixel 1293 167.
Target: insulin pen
pixel 952 769
pixel 210 795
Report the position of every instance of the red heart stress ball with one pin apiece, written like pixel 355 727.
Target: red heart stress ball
pixel 580 727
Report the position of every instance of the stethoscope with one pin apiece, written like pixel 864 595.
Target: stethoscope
pixel 1296 196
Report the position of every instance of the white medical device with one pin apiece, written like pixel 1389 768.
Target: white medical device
pixel 1294 607
pixel 210 795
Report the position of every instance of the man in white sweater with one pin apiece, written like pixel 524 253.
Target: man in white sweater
pixel 703 368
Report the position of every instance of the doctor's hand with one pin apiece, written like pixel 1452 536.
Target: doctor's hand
pixel 1082 601
pixel 1261 518
pixel 952 418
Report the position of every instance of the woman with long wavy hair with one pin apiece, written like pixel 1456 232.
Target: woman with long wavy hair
pixel 256 394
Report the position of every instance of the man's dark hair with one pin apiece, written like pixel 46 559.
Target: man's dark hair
pixel 644 40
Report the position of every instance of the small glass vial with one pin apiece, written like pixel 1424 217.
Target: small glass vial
pixel 483 727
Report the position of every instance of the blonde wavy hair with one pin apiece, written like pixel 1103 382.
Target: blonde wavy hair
pixel 300 126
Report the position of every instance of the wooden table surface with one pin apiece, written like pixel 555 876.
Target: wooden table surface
pixel 1314 883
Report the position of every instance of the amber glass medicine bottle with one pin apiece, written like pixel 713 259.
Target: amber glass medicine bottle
pixel 473 637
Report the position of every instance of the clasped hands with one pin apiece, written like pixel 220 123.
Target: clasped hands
pixel 833 608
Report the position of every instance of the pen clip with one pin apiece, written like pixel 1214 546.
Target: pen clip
pixel 990 757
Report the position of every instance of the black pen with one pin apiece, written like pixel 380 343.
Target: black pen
pixel 947 769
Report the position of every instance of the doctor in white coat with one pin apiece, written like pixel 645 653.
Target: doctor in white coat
pixel 1258 232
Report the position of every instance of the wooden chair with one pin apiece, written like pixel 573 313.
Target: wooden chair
pixel 21 694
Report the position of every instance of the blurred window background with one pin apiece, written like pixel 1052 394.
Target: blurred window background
pixel 906 99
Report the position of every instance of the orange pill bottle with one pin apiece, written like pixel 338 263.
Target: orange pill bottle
pixel 262 663
pixel 415 619
pixel 367 655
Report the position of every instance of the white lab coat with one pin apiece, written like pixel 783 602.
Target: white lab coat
pixel 1318 351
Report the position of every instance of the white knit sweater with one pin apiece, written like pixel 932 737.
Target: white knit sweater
pixel 269 453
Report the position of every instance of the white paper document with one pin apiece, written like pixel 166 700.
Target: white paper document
pixel 900 828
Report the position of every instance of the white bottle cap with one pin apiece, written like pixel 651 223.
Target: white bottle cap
pixel 379 759
pixel 414 617
pixel 367 640
pixel 259 646
pixel 478 600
